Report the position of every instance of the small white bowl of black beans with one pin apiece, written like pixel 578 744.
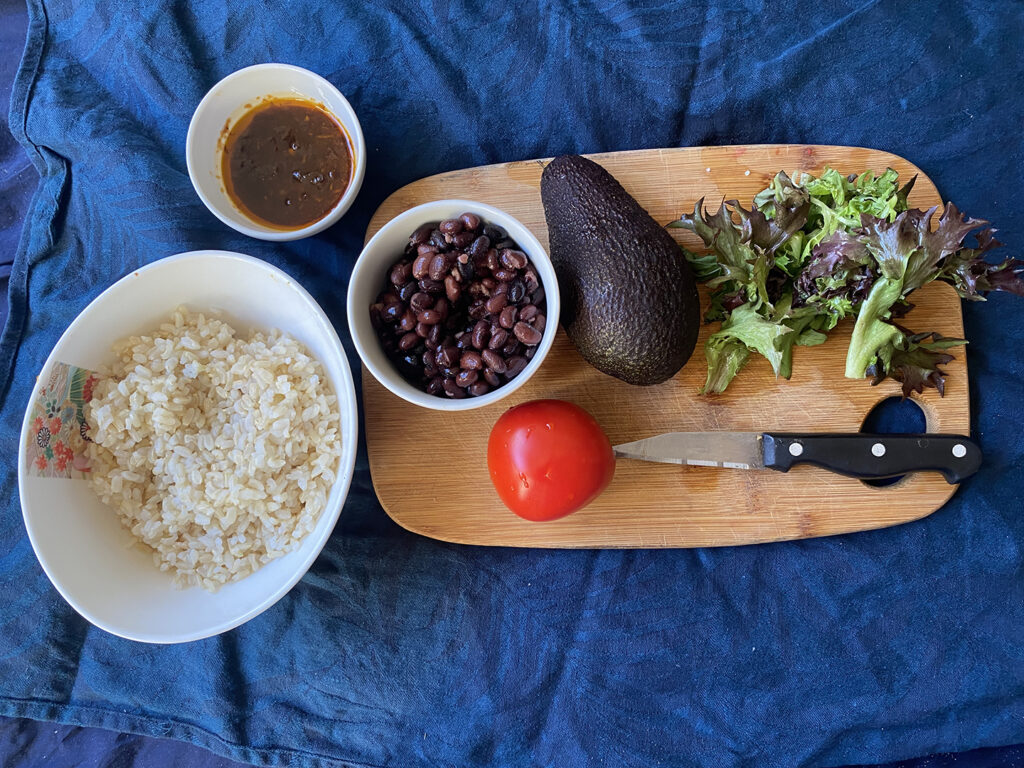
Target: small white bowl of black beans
pixel 453 305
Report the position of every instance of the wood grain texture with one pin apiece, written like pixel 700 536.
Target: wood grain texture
pixel 429 468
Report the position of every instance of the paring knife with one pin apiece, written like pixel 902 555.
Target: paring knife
pixel 868 457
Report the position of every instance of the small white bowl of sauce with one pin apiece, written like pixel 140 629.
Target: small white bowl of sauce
pixel 276 152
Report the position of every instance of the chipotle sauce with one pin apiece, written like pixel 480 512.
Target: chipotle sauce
pixel 286 163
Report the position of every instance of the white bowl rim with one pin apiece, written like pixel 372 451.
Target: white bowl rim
pixel 346 473
pixel 389 379
pixel 358 159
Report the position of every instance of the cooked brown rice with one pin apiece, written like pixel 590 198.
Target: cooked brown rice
pixel 217 452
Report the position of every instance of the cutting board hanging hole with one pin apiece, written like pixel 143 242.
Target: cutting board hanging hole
pixel 894 416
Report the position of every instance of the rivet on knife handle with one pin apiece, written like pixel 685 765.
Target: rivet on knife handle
pixel 872 457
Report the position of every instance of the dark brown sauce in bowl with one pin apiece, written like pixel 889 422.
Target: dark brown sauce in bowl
pixel 286 163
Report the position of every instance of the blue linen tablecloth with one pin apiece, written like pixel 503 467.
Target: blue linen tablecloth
pixel 398 650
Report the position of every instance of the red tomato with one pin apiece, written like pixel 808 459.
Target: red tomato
pixel 548 458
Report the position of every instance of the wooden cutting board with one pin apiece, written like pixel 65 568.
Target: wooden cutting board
pixel 429 468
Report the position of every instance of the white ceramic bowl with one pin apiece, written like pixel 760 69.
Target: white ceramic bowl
pixel 226 102
pixel 80 542
pixel 387 246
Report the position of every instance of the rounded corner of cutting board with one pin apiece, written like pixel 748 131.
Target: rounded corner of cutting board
pixel 412 528
pixel 732 510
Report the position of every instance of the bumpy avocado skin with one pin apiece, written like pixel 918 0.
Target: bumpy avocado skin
pixel 629 298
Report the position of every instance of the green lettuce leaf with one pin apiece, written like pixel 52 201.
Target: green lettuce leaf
pixel 909 254
pixel 913 361
pixel 968 271
pixel 814 250
pixel 743 266
pixel 725 356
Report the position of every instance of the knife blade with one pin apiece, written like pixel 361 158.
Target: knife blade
pixel 865 456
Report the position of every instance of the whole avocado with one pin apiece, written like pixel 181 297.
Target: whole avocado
pixel 629 298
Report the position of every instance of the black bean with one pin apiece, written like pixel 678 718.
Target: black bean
pixel 494 361
pixel 434 337
pixel 512 347
pixel 447 356
pixel 492 261
pixel 408 341
pixel 527 334
pixel 421 235
pixel 527 313
pixel 479 388
pixel 406 292
pixel 465 378
pixel 463 239
pixel 477 310
pixel 439 267
pixel 479 246
pixel 516 291
pixel 451 226
pixel 516 364
pixel 481 334
pixel 506 243
pixel 467 270
pixel 431 317
pixel 392 312
pixel 470 220
pixel 421 301
pixel 400 274
pixel 508 317
pixel 538 296
pixel 496 304
pixel 513 259
pixel 435 386
pixel 532 281
pixel 421 267
pixel 453 390
pixel 505 275
pixel 437 240
pixel 423 330
pixel 491 377
pixel 452 289
pixel 498 338
pixel 494 232
pixel 540 323
pixel 431 286
pixel 529 353
pixel 408 321
pixel 471 361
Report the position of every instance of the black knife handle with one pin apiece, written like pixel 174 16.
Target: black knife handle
pixel 872 457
